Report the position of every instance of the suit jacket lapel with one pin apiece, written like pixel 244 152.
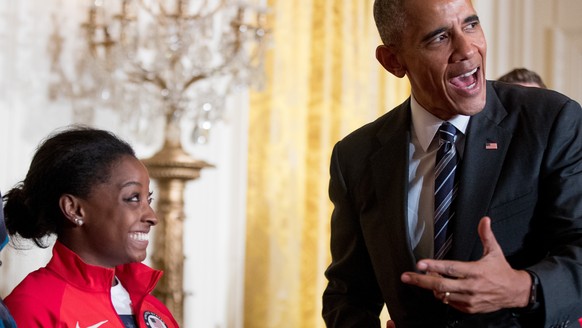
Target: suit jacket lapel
pixel 390 180
pixel 485 149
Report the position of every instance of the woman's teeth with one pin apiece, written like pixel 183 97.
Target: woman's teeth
pixel 140 236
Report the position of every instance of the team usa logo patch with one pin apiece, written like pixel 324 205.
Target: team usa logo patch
pixel 153 321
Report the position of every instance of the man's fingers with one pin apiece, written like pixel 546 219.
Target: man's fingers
pixel 487 237
pixel 433 282
pixel 450 269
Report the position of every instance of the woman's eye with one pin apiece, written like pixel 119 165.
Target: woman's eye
pixel 133 198
pixel 137 198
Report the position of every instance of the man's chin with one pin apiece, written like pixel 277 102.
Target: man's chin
pixel 469 105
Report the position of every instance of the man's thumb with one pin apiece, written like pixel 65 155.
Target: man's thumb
pixel 487 237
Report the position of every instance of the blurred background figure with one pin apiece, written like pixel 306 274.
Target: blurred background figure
pixel 525 77
pixel 5 317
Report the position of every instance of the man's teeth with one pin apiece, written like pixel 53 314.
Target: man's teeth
pixel 469 73
pixel 140 236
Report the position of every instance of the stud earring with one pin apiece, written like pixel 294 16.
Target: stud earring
pixel 79 222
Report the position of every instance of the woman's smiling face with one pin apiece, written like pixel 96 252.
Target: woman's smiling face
pixel 118 216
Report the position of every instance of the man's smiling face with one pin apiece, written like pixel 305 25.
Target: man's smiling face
pixel 443 52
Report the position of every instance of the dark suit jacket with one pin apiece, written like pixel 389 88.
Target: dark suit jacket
pixel 530 186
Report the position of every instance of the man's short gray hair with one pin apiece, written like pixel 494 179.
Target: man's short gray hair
pixel 390 18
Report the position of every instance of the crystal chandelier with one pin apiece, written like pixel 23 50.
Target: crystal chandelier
pixel 175 60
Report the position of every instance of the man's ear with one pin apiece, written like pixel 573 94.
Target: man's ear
pixel 386 55
pixel 71 207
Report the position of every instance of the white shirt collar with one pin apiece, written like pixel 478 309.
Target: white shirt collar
pixel 426 125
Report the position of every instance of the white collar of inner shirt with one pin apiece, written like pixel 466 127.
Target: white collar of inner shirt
pixel 426 125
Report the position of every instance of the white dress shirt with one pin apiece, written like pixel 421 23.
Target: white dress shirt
pixel 423 149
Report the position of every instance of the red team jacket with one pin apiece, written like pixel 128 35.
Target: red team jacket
pixel 68 293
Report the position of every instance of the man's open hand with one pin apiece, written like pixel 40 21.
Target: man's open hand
pixel 486 285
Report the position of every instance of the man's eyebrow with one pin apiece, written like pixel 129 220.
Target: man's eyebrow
pixel 471 19
pixel 430 35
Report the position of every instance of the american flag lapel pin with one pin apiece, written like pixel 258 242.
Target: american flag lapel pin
pixel 491 145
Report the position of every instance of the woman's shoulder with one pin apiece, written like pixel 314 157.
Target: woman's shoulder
pixel 36 299
pixel 37 286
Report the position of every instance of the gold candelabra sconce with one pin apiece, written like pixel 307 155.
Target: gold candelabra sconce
pixel 163 67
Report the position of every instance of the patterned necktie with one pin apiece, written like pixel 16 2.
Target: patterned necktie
pixel 445 189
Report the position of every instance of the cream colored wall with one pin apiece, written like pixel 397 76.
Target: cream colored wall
pixel 544 36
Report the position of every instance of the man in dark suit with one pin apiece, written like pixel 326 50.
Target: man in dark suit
pixel 515 257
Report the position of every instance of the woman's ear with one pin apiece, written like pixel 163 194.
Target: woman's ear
pixel 71 208
pixel 387 56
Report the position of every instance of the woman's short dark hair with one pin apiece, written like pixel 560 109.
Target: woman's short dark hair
pixel 523 75
pixel 70 161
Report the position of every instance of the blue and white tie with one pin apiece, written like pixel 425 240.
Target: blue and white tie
pixel 445 189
